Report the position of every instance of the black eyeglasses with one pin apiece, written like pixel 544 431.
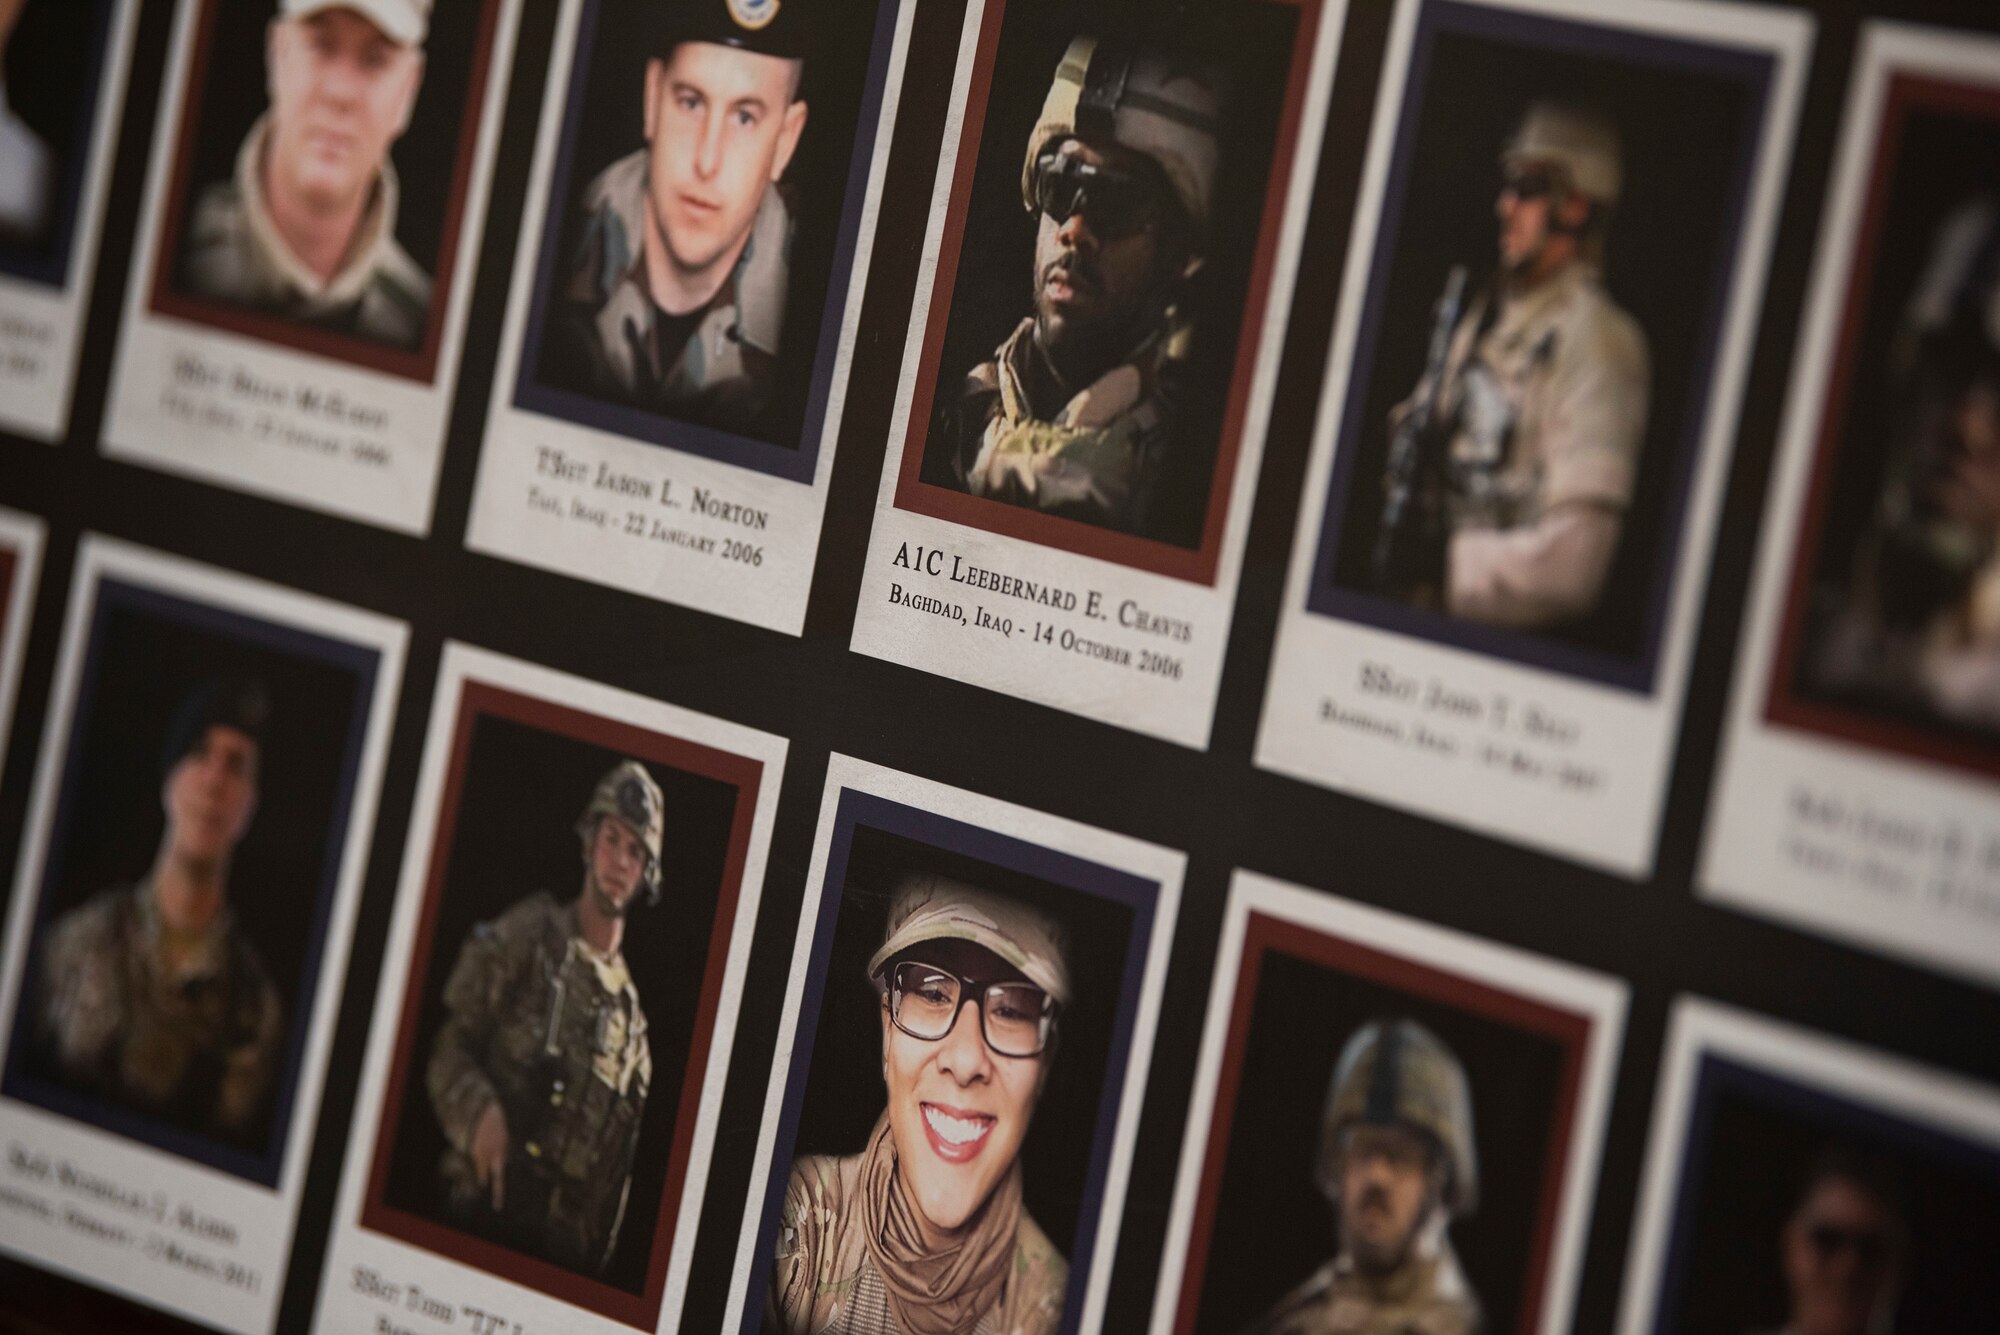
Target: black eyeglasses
pixel 1016 1018
pixel 1116 204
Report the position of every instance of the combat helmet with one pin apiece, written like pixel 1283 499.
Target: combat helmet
pixel 1142 98
pixel 630 793
pixel 1396 1072
pixel 1580 141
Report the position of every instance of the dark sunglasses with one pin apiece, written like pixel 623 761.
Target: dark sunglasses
pixel 1868 1245
pixel 1529 183
pixel 1116 204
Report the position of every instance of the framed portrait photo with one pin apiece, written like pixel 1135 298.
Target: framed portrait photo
pixel 542 1081
pixel 21 540
pixel 64 64
pixel 1112 241
pixel 687 297
pixel 180 924
pixel 1793 1177
pixel 1391 1122
pixel 300 285
pixel 1526 416
pixel 1862 754
pixel 963 1052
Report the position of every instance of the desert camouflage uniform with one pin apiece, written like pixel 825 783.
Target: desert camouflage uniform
pixel 1424 1296
pixel 826 1283
pixel 609 332
pixel 196 1042
pixel 1100 456
pixel 540 1022
pixel 233 253
pixel 1545 392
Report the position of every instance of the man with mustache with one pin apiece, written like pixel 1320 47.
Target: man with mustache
pixel 1913 623
pixel 1078 413
pixel 151 996
pixel 1540 407
pixel 1397 1162
pixel 540 1072
pixel 924 1232
pixel 675 299
pixel 306 228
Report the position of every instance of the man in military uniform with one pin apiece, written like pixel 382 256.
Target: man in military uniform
pixel 540 1072
pixel 1078 413
pixel 306 228
pixel 1913 622
pixel 1844 1247
pixel 1397 1162
pixel 924 1232
pixel 150 996
pixel 675 300
pixel 1541 402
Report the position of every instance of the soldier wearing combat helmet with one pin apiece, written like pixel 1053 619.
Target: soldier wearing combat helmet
pixel 1397 1162
pixel 1540 403
pixel 1077 414
pixel 924 1231
pixel 674 301
pixel 540 1072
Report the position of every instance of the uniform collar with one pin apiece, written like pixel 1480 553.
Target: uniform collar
pixel 755 289
pixel 1542 300
pixel 209 956
pixel 377 229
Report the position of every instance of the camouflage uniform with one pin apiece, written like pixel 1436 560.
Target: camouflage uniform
pixel 1546 394
pixel 825 1282
pixel 234 253
pixel 1393 1073
pixel 196 1041
pixel 716 366
pixel 555 1033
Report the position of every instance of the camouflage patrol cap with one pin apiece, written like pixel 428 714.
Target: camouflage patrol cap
pixel 1161 104
pixel 1396 1072
pixel 404 22
pixel 242 703
pixel 630 793
pixel 933 908
pixel 1578 140
pixel 767 27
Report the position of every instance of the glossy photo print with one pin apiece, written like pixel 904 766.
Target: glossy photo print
pixel 693 274
pixel 53 55
pixel 184 903
pixel 1888 638
pixel 1816 1187
pixel 1530 386
pixel 951 1126
pixel 257 180
pixel 1856 791
pixel 1084 376
pixel 1396 1129
pixel 542 1086
pixel 1526 414
pixel 178 934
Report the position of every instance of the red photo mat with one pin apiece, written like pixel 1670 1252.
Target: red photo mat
pixel 479 700
pixel 1070 535
pixel 418 364
pixel 1263 934
pixel 1906 93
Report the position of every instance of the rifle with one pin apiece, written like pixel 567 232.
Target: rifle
pixel 1398 559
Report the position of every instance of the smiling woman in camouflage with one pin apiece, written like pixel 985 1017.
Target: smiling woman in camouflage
pixel 924 1231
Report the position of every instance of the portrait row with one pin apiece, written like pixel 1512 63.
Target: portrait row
pixel 1524 421
pixel 1392 1125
